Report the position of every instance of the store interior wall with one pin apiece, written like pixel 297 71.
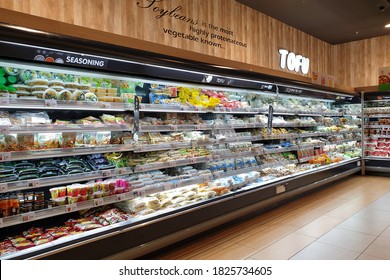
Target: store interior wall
pixel 254 37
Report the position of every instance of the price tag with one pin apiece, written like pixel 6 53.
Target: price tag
pixel 107 173
pixel 175 146
pixel 4 129
pixel 50 103
pixel 197 127
pixel 192 160
pixel 171 164
pixel 177 185
pixel 36 183
pixel 140 168
pixel 105 105
pixel 173 127
pixel 1 222
pixel 141 106
pixel 3 187
pixel 27 217
pixel 139 192
pixel 120 197
pixel 4 101
pixel 167 186
pixel 98 202
pixel 71 207
pixel 5 156
pixel 122 170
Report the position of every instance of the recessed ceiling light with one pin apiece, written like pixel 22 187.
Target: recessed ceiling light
pixel 387 25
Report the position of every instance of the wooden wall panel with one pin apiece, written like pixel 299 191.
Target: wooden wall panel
pixel 357 63
pixel 263 35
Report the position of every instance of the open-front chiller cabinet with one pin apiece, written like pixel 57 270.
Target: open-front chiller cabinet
pixel 107 156
pixel 376 132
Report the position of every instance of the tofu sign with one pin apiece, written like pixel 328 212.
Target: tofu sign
pixel 297 63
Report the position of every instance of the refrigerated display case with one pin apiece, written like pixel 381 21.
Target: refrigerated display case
pixel 113 153
pixel 376 132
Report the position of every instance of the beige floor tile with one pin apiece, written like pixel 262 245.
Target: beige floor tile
pixel 319 226
pixel 261 239
pixel 347 239
pixel 364 199
pixel 380 248
pixel 302 219
pixel 344 211
pixel 320 251
pixel 367 257
pixel 285 248
pixel 331 204
pixel 234 252
pixel 374 214
pixel 386 233
pixel 364 225
pixel 381 204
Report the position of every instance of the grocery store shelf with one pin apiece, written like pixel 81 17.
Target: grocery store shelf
pixel 50 104
pixel 49 153
pixel 62 180
pixel 173 163
pixel 293 124
pixel 64 209
pixel 377 158
pixel 374 115
pixel 28 129
pixel 377 126
pixel 191 127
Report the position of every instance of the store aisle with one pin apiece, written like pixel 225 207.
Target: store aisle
pixel 349 220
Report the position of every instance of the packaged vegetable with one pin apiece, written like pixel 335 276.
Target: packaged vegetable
pixel 64 95
pixel 69 139
pixel 103 138
pixel 50 94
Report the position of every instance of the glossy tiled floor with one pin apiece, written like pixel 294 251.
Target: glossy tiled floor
pixel 349 220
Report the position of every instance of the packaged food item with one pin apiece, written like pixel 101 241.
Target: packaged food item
pixel 89 96
pixel 21 87
pixel 69 139
pixel 90 138
pixel 103 138
pixel 27 75
pixel 71 85
pixel 50 94
pixel 78 95
pixel 11 142
pixel 35 82
pixel 25 142
pixel 58 192
pixel 56 83
pixel 23 93
pixel 49 140
pixel 64 95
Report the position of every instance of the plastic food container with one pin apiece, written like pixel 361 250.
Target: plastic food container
pixel 60 201
pixel 65 95
pixel 22 93
pixel 39 94
pixel 56 83
pixel 73 190
pixel 39 88
pixel 35 82
pixel 85 86
pixel 50 94
pixel 72 199
pixel 21 87
pixel 71 85
pixel 58 192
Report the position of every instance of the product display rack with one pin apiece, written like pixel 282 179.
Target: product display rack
pixel 248 188
pixel 376 138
